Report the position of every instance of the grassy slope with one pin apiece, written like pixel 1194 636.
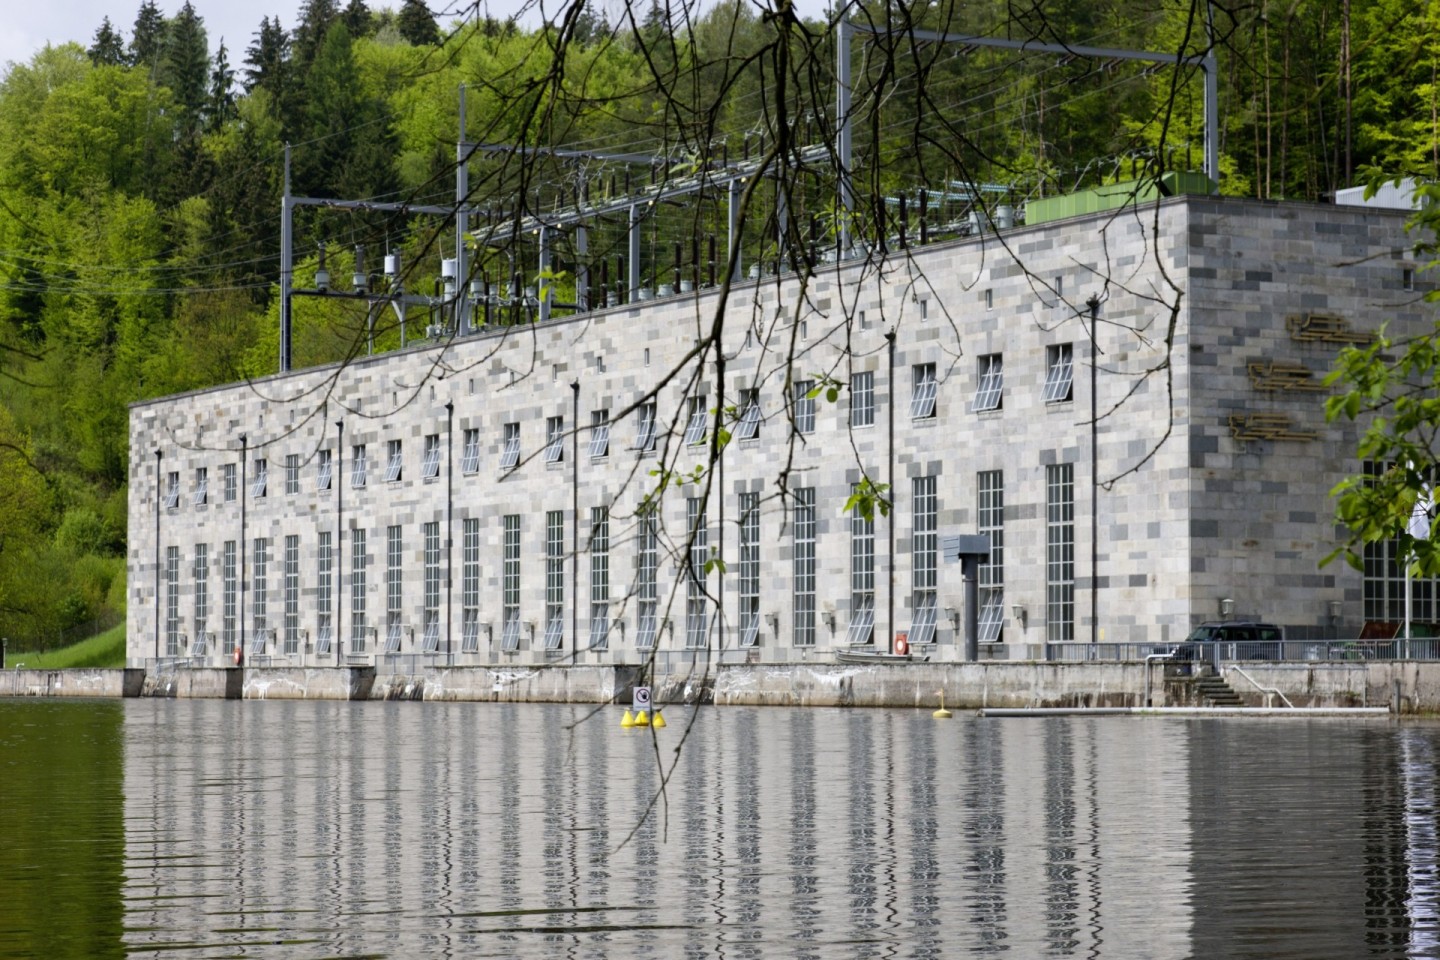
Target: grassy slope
pixel 102 650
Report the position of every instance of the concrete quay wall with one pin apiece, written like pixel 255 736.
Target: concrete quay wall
pixel 86 682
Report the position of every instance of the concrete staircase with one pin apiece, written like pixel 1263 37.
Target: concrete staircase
pixel 1217 693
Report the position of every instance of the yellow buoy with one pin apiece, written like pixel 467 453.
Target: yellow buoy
pixel 942 713
pixel 658 720
pixel 627 720
pixel 642 719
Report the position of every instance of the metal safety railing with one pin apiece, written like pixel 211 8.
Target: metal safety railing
pixel 1188 651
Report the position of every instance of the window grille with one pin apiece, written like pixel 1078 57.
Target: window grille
pixel 229 596
pixel 992 379
pixel 470 455
pixel 1060 552
pixel 554 578
pixel 599 434
pixel 357 465
pixel 292 473
pixel 324 592
pixel 510 582
pixel 394 586
pixel 699 419
pixel 201 575
pixel 395 461
pixel 231 487
pixel 172 600
pixel 749 426
pixel 804 406
pixel 749 569
pixel 510 452
pixel 290 594
pixel 862 577
pixel 172 491
pixel 260 584
pixel 599 577
pixel 696 615
pixel 358 576
pixel 924 558
pixel 646 585
pixel 202 486
pixel 431 595
pixel 554 439
pixel 804 566
pixel 323 471
pixel 862 400
pixel 1058 373
pixel 990 522
pixel 430 466
pixel 645 433
pixel 470 584
pixel 261 482
pixel 922 391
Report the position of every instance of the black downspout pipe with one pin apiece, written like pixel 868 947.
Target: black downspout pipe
pixel 449 530
pixel 1094 305
pixel 244 456
pixel 890 482
pixel 575 512
pixel 339 538
pixel 158 494
pixel 704 507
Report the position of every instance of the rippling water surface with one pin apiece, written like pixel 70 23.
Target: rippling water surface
pixel 215 829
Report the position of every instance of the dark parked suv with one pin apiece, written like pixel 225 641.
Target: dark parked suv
pixel 1238 640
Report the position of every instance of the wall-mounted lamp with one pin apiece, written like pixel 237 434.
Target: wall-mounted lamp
pixel 1334 612
pixel 953 615
pixel 669 629
pixel 774 619
pixel 1227 607
pixel 1017 610
pixel 530 630
pixel 829 616
pixel 489 633
pixel 322 275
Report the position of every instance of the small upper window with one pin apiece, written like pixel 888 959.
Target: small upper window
pixel 554 439
pixel 922 391
pixel 987 395
pixel 1058 373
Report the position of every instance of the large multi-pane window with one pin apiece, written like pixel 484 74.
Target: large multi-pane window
pixel 862 577
pixel 202 486
pixel 804 406
pixel 599 577
pixel 510 583
pixel 647 592
pixel 697 422
pixel 862 399
pixel 1384 576
pixel 431 637
pixel 290 592
pixel 229 597
pixel 394 461
pixel 924 559
pixel 357 465
pixel 231 485
pixel 394 572
pixel 554 439
pixel 599 434
pixel 324 595
pixel 645 428
pixel 923 387
pixel 804 567
pixel 172 601
pixel 990 517
pixel 430 464
pixel 292 473
pixel 260 482
pixel 1059 373
pixel 1060 552
pixel 470 586
pixel 695 612
pixel 470 451
pixel 259 596
pixel 749 569
pixel 554 578
pixel 358 577
pixel 324 470
pixel 992 382
pixel 510 446
pixel 201 575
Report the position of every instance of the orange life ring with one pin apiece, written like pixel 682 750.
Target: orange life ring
pixel 902 646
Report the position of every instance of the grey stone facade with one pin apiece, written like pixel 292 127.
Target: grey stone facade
pixel 1217 319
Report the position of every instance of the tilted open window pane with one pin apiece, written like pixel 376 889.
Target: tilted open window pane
pixel 991 615
pixel 470 456
pixel 323 635
pixel 695 429
pixel 987 395
pixel 432 637
pixel 749 426
pixel 750 630
pixel 1059 373
pixel 172 492
pixel 197 646
pixel 511 454
pixel 862 620
pixel 470 633
pixel 645 435
pixel 259 642
pixel 555 440
pixel 357 467
pixel 322 478
pixel 261 481
pixel 600 440
pixel 430 468
pixel 922 625
pixel 599 626
pixel 396 462
pixel 645 635
pixel 510 636
pixel 393 636
pixel 202 489
pixel 922 396
pixel 554 633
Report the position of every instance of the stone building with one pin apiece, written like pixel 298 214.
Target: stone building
pixel 498 498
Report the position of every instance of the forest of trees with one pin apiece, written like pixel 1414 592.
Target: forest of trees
pixel 140 179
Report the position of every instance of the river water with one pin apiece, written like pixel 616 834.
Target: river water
pixel 174 828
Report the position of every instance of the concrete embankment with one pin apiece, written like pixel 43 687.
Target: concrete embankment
pixel 1412 685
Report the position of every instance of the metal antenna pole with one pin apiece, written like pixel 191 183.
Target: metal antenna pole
pixel 463 306
pixel 286 265
pixel 1212 103
pixel 634 252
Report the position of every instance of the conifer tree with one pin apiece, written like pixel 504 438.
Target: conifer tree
pixel 417 25
pixel 358 19
pixel 221 106
pixel 316 17
pixel 185 66
pixel 108 47
pixel 147 41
